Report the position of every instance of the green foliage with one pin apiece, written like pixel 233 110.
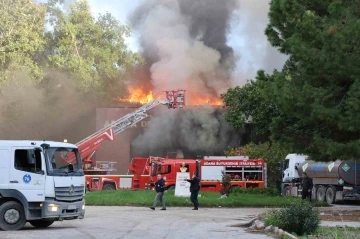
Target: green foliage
pixel 247 104
pixel 54 66
pixel 261 191
pixel 300 218
pixel 270 152
pixel 21 29
pixel 92 50
pixel 317 92
pixel 225 183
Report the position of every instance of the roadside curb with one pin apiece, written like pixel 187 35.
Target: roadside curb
pixel 256 225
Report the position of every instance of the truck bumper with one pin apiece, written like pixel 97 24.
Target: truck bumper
pixel 59 211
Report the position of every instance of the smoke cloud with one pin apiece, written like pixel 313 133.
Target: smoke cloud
pixel 250 43
pixel 50 111
pixel 185 44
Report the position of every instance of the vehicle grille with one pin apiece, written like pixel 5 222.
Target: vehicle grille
pixel 63 193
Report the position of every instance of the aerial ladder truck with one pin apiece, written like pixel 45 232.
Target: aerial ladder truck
pixel 97 173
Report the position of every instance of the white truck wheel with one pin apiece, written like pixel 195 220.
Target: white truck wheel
pixel 12 216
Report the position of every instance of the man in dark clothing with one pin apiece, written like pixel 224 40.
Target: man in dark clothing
pixel 307 187
pixel 160 188
pixel 194 189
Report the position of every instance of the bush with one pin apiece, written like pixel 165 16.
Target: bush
pixel 300 218
pixel 264 191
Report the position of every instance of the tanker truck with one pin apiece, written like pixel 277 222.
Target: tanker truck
pixel 333 181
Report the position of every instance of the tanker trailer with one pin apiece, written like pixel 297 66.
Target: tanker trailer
pixel 333 181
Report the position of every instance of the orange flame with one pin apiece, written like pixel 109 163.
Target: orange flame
pixel 204 100
pixel 138 95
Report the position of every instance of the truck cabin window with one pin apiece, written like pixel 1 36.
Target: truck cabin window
pixel 153 169
pixel 63 160
pixel 286 164
pixel 27 160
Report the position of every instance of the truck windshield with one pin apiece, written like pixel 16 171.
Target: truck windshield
pixel 63 161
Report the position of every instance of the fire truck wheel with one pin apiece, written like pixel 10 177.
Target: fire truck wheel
pixel 171 188
pixel 41 223
pixel 109 186
pixel 12 216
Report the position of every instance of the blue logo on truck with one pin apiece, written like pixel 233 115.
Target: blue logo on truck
pixel 27 178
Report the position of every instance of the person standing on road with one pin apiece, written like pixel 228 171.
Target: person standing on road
pixel 307 187
pixel 194 189
pixel 160 188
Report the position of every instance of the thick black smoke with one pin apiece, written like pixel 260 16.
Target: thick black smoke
pixel 195 131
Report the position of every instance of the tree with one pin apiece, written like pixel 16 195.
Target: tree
pixel 93 51
pixel 248 105
pixel 317 92
pixel 21 29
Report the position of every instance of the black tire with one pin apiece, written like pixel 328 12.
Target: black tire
pixel 171 188
pixel 109 186
pixel 330 195
pixel 12 216
pixel 320 193
pixel 41 223
pixel 287 192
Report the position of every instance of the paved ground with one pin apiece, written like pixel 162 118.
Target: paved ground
pixel 135 222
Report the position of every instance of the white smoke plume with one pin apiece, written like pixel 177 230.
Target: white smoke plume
pixel 185 44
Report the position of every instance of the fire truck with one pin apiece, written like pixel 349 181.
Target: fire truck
pixel 244 172
pixel 97 173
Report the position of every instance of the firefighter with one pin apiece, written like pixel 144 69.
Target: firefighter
pixel 160 188
pixel 194 189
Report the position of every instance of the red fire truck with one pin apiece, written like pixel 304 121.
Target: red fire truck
pixel 244 172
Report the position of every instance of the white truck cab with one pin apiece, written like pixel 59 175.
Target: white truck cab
pixel 38 185
pixel 289 170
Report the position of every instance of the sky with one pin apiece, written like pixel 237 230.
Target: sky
pixel 246 35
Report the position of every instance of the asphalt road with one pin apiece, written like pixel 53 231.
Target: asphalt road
pixel 137 222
